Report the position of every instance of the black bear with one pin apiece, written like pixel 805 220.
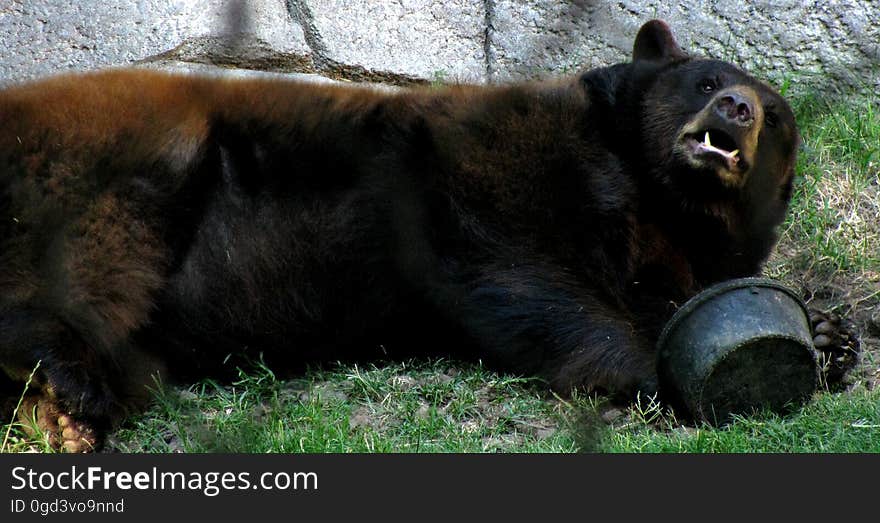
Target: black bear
pixel 154 223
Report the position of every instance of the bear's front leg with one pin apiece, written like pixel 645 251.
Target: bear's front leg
pixel 837 343
pixel 539 319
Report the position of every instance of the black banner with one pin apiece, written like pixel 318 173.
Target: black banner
pixel 413 487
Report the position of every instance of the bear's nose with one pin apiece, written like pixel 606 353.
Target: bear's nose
pixel 736 107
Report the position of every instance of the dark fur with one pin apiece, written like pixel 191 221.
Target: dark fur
pixel 155 223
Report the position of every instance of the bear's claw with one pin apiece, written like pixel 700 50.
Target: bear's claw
pixel 42 416
pixel 837 343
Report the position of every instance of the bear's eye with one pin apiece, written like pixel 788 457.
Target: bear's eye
pixel 771 119
pixel 707 86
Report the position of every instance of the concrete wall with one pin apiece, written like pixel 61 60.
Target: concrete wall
pixel 832 44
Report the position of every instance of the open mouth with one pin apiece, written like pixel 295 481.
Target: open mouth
pixel 717 146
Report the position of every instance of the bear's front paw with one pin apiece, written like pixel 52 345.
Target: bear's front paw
pixel 837 343
pixel 42 417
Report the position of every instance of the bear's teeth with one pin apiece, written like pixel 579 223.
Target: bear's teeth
pixel 707 143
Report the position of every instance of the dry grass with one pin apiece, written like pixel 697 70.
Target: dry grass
pixel 830 246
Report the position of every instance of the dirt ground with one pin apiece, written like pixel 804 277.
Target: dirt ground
pixel 857 300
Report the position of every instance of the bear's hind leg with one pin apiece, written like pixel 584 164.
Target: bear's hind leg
pixel 41 416
pixel 76 389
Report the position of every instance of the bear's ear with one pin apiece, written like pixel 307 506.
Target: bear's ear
pixel 656 43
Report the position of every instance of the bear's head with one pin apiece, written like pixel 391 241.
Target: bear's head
pixel 708 129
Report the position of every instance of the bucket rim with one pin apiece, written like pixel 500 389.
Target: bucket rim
pixel 715 290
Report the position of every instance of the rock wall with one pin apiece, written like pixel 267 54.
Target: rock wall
pixel 828 44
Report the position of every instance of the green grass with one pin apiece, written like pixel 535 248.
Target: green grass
pixel 17 437
pixel 848 422
pixel 833 226
pixel 444 407
pixel 831 240
pixel 404 407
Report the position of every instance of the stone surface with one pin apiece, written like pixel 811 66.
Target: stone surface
pixel 430 39
pixel 534 38
pixel 46 36
pixel 784 39
pixel 826 44
pixel 201 69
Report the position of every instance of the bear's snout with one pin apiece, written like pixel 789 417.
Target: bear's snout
pixel 737 106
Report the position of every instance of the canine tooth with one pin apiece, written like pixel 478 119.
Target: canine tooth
pixel 733 153
pixel 706 140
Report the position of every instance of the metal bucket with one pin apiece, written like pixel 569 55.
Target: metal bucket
pixel 737 347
